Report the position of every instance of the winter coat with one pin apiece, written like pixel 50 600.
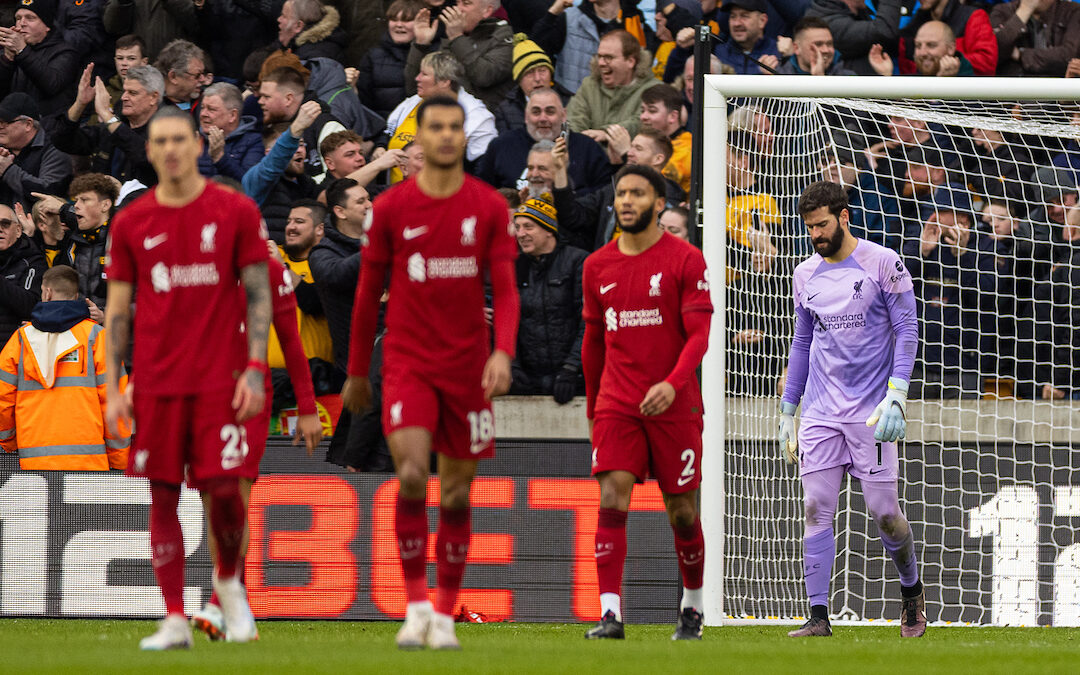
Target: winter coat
pixel 47 71
pixel 328 84
pixel 21 267
pixel 504 163
pixel 243 150
pixel 551 328
pixel 381 83
pixel 88 259
pixel 335 264
pixel 743 62
pixel 1062 34
pixel 479 122
pixel 486 55
pixel 510 114
pixel 855 33
pixel 121 153
pixel 326 38
pixel 975 37
pixel 232 29
pixel 157 22
pixel 39 167
pixel 594 106
pixel 57 364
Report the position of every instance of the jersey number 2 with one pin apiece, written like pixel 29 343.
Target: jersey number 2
pixel 236 447
pixel 688 471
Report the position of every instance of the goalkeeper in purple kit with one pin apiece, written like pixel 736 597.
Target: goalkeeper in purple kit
pixel 856 334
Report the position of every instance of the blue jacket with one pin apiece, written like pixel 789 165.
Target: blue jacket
pixel 505 161
pixel 261 178
pixel 733 55
pixel 243 150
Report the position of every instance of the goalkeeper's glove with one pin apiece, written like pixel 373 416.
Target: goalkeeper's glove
pixel 789 441
pixel 889 415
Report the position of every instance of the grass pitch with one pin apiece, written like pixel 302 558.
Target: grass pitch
pixel 95 646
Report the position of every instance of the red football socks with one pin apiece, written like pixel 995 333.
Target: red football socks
pixel 610 550
pixel 227 519
pixel 690 545
pixel 452 548
pixel 411 527
pixel 167 544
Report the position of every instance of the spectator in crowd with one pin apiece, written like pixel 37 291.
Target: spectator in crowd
pixel 281 93
pixel 531 69
pixel 303 231
pixel 1057 336
pixel 342 153
pixel 482 44
pixel 21 268
pixel 1022 261
pixel 52 386
pixel 549 283
pixel 381 78
pixel 994 165
pixel 230 31
pixel 184 67
pixel 661 109
pixel 158 23
pixel 1036 37
pixel 688 85
pixel 970 26
pixel 36 59
pixel 45 228
pixel 81 25
pixel 654 149
pixel 539 171
pixel 29 162
pixel 924 174
pixel 748 42
pixel 311 29
pixel 441 74
pixel 279 179
pixel 671 20
pixel 855 29
pixel 935 54
pixel 813 52
pixel 573 35
pixel 233 145
pixel 505 162
pixel 872 211
pixel 751 211
pixel 130 51
pixel 413 159
pixel 676 220
pixel 612 93
pixel 94 196
pixel 890 158
pixel 952 265
pixel 117 147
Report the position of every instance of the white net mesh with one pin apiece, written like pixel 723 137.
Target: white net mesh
pixel 989 464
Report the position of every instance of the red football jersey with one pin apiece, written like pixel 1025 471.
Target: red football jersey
pixel 185 263
pixel 640 300
pixel 438 251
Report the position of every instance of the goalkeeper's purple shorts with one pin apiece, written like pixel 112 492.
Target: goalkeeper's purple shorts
pixel 824 445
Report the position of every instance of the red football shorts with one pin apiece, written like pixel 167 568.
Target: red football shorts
pixel 195 437
pixel 453 410
pixel 668 450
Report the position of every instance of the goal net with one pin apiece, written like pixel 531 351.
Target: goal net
pixel 976 194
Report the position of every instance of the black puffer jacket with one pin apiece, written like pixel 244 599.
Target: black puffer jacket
pixel 335 265
pixel 381 83
pixel 88 259
pixel 278 203
pixel 550 330
pixel 21 267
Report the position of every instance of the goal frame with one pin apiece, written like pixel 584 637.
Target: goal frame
pixel 712 216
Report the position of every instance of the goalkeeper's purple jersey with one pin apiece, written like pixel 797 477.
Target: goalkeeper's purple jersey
pixel 855 326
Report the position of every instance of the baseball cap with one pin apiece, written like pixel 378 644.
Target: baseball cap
pixel 1053 182
pixel 951 197
pixel 18 104
pixel 752 5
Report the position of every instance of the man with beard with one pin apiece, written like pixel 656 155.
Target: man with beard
pixel 971 26
pixel 281 95
pixel 644 406
pixel 935 54
pixel 748 42
pixel 504 164
pixel 856 334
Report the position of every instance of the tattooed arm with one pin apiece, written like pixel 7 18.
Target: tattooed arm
pixel 117 337
pixel 250 394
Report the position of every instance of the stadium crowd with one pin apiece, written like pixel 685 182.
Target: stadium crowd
pixel 310 109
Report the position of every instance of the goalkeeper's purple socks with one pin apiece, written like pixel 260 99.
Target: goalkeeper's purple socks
pixel 902 553
pixel 819 550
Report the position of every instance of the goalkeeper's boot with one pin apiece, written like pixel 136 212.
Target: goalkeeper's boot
pixel 173 633
pixel 413 633
pixel 913 616
pixel 609 628
pixel 690 625
pixel 441 634
pixel 211 621
pixel 239 621
pixel 815 627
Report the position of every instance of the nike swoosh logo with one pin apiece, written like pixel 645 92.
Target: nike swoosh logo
pixel 872 471
pixel 683 480
pixel 413 232
pixel 477 448
pixel 605 289
pixel 150 242
pixel 811 297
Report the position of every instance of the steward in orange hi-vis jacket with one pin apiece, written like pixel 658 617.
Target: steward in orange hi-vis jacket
pixel 52 386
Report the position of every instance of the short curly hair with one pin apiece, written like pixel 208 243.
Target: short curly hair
pixel 104 186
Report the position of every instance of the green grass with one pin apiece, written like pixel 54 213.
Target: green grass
pixel 85 646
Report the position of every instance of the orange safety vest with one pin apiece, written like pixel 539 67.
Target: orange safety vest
pixel 52 400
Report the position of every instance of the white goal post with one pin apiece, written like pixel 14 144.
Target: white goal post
pixel 993 475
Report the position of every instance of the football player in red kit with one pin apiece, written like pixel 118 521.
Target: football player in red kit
pixel 437 235
pixel 647 312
